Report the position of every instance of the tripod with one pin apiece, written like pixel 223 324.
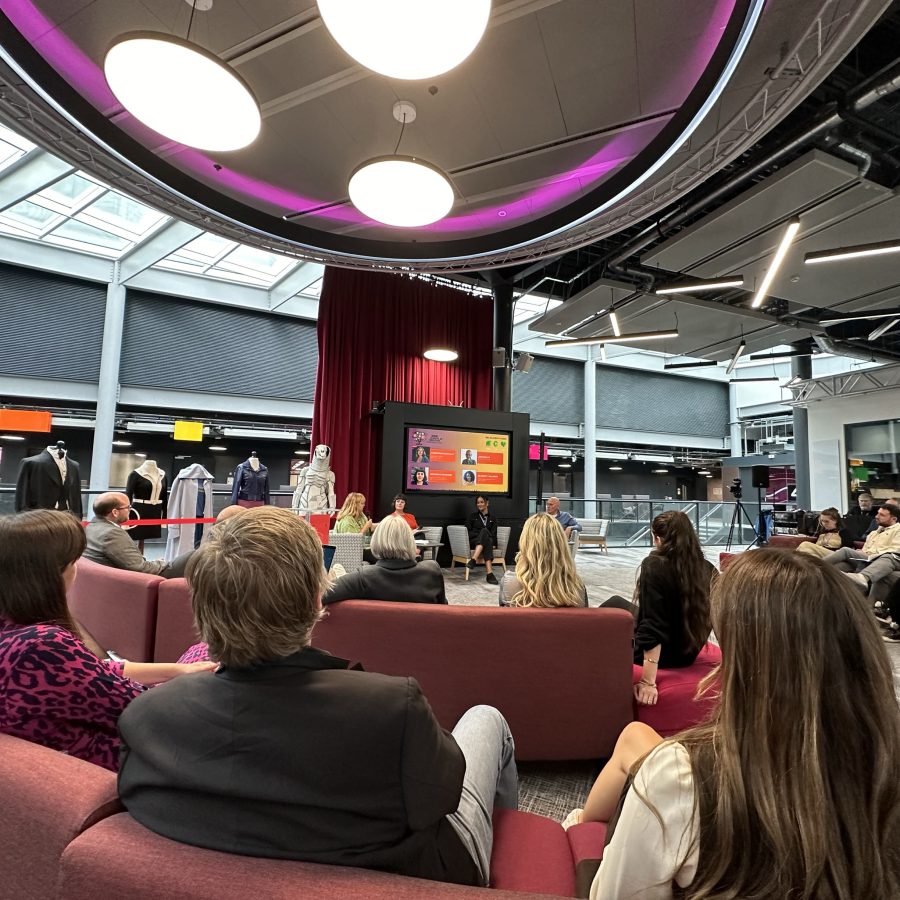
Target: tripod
pixel 736 520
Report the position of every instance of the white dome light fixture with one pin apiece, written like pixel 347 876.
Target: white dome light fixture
pixel 439 354
pixel 401 190
pixel 408 39
pixel 182 91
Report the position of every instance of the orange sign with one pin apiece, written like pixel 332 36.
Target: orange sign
pixel 489 477
pixel 438 455
pixel 489 459
pixel 441 476
pixel 188 431
pixel 25 420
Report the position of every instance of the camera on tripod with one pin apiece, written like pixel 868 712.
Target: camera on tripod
pixel 736 490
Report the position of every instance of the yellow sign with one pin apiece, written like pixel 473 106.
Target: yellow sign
pixel 188 431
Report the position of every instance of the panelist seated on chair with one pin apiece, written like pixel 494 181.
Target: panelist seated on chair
pixel 880 555
pixel 396 575
pixel 482 528
pixel 566 519
pixel 545 575
pixel 286 752
pixel 109 545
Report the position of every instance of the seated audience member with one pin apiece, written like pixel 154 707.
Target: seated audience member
pixel 879 555
pixel 229 512
pixel 352 519
pixel 802 750
pixel 672 594
pixel 830 535
pixel 109 545
pixel 860 518
pixel 395 575
pixel 399 510
pixel 865 506
pixel 888 614
pixel 53 690
pixel 567 520
pixel 482 528
pixel 545 575
pixel 873 525
pixel 286 752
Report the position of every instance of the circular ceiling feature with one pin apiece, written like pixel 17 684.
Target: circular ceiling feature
pixel 408 39
pixel 401 191
pixel 441 355
pixel 182 92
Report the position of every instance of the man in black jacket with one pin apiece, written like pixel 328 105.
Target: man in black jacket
pixel 286 752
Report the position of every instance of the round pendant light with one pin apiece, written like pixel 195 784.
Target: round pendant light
pixel 401 191
pixel 407 39
pixel 181 91
pixel 441 355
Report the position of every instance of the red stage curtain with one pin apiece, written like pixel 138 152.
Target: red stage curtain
pixel 373 329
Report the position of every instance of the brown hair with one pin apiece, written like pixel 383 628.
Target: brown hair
pixel 797 774
pixel 353 506
pixel 544 566
pixel 256 586
pixel 680 546
pixel 35 547
pixel 832 513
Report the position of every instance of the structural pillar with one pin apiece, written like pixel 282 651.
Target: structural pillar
pixel 590 433
pixel 108 384
pixel 503 337
pixel 734 421
pixel 801 367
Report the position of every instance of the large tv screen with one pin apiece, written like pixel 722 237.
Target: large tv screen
pixel 447 459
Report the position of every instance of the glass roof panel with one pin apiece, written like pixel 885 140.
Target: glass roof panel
pixel 313 290
pixel 258 261
pixel 527 307
pixel 206 247
pixel 71 191
pixel 86 237
pixel 35 218
pixel 12 147
pixel 126 215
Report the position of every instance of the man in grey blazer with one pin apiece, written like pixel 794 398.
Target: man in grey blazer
pixel 109 545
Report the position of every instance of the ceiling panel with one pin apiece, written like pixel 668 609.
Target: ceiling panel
pixel 599 296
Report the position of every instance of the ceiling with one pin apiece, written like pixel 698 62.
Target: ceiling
pixel 571 120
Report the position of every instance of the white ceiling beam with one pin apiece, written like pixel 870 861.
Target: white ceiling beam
pixel 32 173
pixel 34 254
pixel 198 287
pixel 162 243
pixel 296 280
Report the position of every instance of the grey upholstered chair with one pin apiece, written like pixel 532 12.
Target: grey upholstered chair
pixel 348 550
pixel 462 553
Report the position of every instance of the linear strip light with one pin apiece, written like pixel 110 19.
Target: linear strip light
pixel 741 347
pixel 861 317
pixel 883 329
pixel 777 260
pixel 614 321
pixel 690 365
pixel 608 339
pixel 855 252
pixel 760 378
pixel 700 285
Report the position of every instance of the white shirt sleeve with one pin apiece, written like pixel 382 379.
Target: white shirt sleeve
pixel 645 856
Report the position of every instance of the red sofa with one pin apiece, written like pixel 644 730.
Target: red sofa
pixel 64 836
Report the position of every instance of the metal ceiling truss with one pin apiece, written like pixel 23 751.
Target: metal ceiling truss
pixel 847 384
pixel 27 112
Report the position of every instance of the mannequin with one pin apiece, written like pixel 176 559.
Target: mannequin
pixel 147 489
pixel 315 484
pixel 251 483
pixel 190 498
pixel 50 480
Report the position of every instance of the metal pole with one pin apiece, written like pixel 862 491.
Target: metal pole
pixel 801 367
pixel 590 434
pixel 503 337
pixel 540 475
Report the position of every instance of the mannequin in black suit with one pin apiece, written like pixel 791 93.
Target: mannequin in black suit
pixel 50 480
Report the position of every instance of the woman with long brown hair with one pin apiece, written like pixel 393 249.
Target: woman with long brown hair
pixel 53 689
pixel 545 573
pixel 792 789
pixel 672 595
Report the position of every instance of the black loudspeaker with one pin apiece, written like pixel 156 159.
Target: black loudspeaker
pixel 760 476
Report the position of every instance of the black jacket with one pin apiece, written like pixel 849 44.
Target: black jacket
pixel 660 617
pixel 299 758
pixel 40 485
pixel 250 484
pixel 474 524
pixel 391 579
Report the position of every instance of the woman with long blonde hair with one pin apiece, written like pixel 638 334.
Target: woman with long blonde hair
pixel 792 788
pixel 545 574
pixel 352 518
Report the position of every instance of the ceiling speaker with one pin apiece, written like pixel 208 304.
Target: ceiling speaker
pixel 524 362
pixel 498 358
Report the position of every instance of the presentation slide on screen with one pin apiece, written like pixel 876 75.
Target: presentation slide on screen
pixel 450 460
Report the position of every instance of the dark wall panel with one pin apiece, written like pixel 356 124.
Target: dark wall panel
pixel 52 327
pixel 552 391
pixel 171 343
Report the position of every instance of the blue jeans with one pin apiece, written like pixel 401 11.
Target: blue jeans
pixel 491 780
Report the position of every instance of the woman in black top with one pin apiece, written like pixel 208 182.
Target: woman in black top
pixel 482 527
pixel 672 593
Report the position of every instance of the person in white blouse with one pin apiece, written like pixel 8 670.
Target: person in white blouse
pixel 792 788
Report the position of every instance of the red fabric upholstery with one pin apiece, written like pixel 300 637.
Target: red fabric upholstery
pixel 117 607
pixel 788 541
pixel 120 858
pixel 561 677
pixel 175 627
pixel 677 707
pixel 531 853
pixel 47 799
pixel 586 842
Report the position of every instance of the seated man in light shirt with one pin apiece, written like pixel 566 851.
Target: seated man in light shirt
pixel 879 555
pixel 566 519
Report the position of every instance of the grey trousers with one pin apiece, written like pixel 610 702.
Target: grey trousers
pixel 491 780
pixel 849 560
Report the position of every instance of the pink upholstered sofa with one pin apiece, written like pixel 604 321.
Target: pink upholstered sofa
pixel 65 836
